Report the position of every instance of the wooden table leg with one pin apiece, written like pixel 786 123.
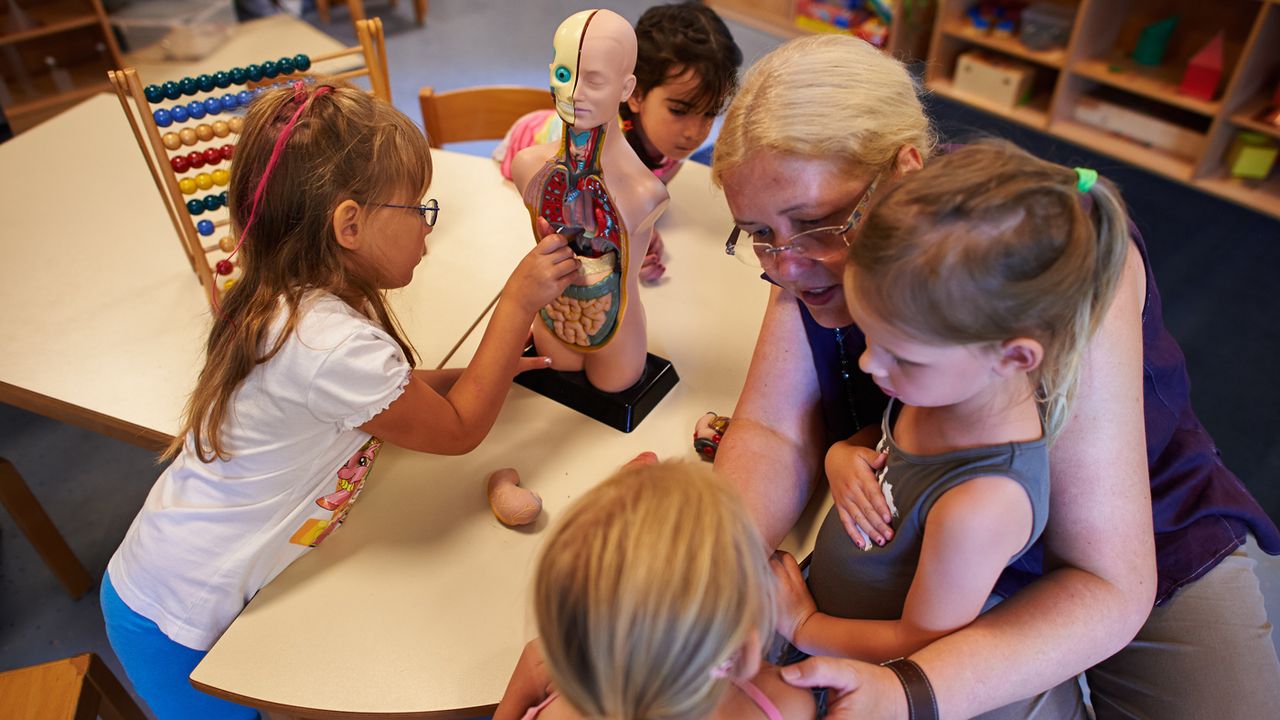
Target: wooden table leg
pixel 40 530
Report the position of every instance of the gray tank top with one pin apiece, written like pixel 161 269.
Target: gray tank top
pixel 872 584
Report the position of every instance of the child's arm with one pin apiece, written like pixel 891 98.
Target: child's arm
pixel 851 466
pixel 455 422
pixel 527 686
pixel 972 532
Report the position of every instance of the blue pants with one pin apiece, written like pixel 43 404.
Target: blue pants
pixel 158 667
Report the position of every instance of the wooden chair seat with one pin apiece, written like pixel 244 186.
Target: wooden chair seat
pixel 74 688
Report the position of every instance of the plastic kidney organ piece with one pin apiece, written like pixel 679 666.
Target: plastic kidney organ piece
pixel 512 504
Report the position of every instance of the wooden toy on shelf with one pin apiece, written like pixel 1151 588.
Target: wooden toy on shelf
pixel 1252 155
pixel 1153 41
pixel 179 139
pixel 1001 81
pixel 1204 71
pixel 1141 127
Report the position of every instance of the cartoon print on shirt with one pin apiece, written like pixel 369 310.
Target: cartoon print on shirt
pixel 351 478
pixel 886 487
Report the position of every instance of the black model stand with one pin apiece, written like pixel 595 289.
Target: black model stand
pixel 621 410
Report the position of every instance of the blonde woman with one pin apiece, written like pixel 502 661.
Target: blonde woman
pixel 820 128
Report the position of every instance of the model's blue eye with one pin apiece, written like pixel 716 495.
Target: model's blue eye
pixel 562 74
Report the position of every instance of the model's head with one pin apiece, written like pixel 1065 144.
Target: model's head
pixel 989 247
pixel 593 68
pixel 652 593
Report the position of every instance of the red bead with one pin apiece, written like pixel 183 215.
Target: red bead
pixel 195 159
pixel 212 156
pixel 227 151
pixel 180 163
pixel 224 267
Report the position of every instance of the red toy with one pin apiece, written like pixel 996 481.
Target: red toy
pixel 1204 72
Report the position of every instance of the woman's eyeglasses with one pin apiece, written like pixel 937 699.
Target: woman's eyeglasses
pixel 818 244
pixel 428 212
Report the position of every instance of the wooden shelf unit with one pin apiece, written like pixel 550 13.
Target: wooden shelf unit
pixel 908 35
pixel 77 34
pixel 1103 34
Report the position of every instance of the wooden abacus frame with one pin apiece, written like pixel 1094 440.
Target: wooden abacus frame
pixel 372 49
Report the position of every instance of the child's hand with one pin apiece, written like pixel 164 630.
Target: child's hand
pixel 544 273
pixel 795 604
pixel 851 471
pixel 539 362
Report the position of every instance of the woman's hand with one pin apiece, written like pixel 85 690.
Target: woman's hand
pixel 795 604
pixel 544 273
pixel 851 470
pixel 859 690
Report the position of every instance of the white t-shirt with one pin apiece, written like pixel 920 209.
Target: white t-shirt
pixel 210 535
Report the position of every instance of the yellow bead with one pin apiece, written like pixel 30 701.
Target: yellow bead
pixel 236 123
pixel 188 136
pixel 221 177
pixel 227 285
pixel 221 128
pixel 204 181
pixel 171 141
pixel 204 132
pixel 187 186
pixel 227 244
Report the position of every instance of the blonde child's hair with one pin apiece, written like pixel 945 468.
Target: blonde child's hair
pixel 344 145
pixel 653 579
pixel 989 243
pixel 831 97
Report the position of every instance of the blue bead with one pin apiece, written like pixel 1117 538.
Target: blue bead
pixel 195 109
pixel 302 62
pixel 188 86
pixel 205 227
pixel 162 117
pixel 269 69
pixel 213 106
pixel 238 76
pixel 195 207
pixel 222 79
pixel 205 82
pixel 285 65
pixel 154 93
pixel 229 102
pixel 254 71
pixel 212 202
pixel 243 97
pixel 223 197
pixel 178 113
pixel 171 90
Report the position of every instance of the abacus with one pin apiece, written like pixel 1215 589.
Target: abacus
pixel 188 145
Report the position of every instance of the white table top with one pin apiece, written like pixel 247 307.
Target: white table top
pixel 423 591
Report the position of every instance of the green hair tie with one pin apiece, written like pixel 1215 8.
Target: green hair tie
pixel 1085 178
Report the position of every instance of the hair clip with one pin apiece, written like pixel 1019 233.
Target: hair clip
pixel 1085 178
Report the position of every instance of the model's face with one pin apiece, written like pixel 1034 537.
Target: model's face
pixel 671 127
pixel 567 43
pixel 587 77
pixel 772 197
pixel 399 241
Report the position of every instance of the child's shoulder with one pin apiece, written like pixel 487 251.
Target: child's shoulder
pixel 793 703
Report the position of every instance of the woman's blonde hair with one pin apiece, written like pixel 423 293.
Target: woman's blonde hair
pixel 344 145
pixel 831 97
pixel 989 243
pixel 653 579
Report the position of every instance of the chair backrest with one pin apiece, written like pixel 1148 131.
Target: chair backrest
pixel 479 113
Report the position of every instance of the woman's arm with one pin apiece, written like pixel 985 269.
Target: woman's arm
pixel 772 450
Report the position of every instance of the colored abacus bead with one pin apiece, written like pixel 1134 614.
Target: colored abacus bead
pixel 254 71
pixel 188 136
pixel 179 113
pixel 205 82
pixel 213 106
pixel 195 207
pixel 222 79
pixel 221 177
pixel 180 163
pixel 243 97
pixel 204 132
pixel 223 196
pixel 162 118
pixel 221 128
pixel 213 156
pixel 225 267
pixel 154 93
pixel 238 76
pixel 204 181
pixel 228 151
pixel 301 62
pixel 188 86
pixel 229 284
pixel 285 65
pixel 226 244
pixel 171 90
pixel 205 228
pixel 269 69
pixel 229 102
pixel 171 141
pixel 195 159
pixel 236 123
pixel 187 186
pixel 195 109
pixel 212 202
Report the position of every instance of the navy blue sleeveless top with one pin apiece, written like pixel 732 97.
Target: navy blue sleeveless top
pixel 1202 511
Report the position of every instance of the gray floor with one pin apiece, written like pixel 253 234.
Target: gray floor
pixel 92 486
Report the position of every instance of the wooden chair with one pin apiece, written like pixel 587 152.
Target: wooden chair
pixel 74 688
pixel 356 8
pixel 479 113
pixel 40 530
